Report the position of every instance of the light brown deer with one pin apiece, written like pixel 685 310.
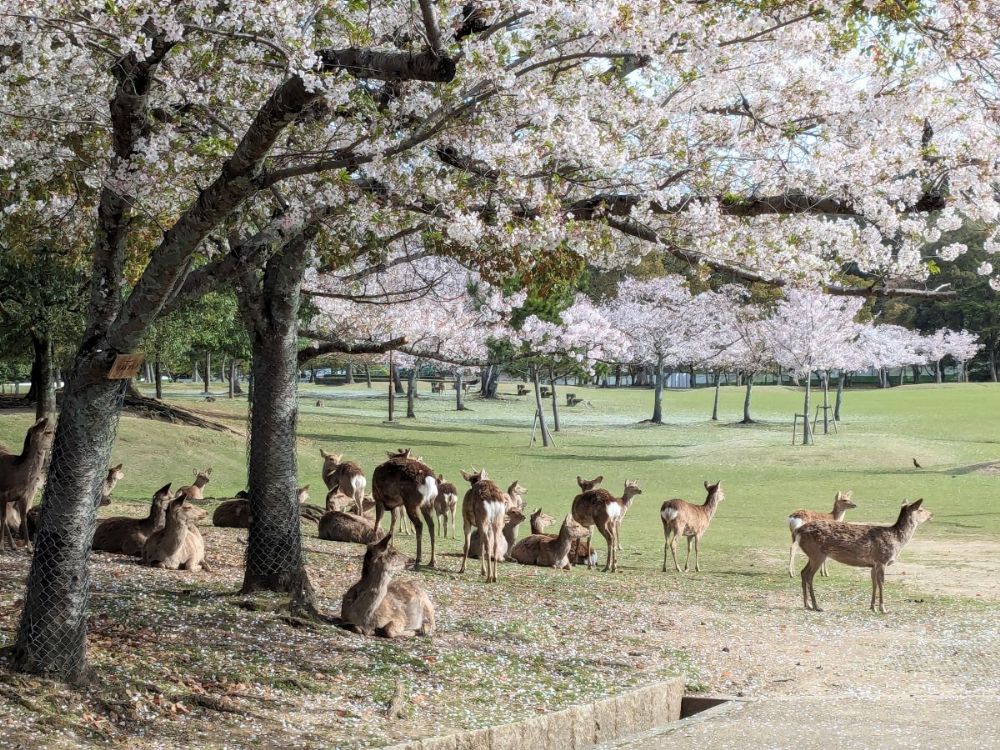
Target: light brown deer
pixel 445 505
pixel 404 482
pixel 115 475
pixel 178 545
pixel 681 518
pixel 338 526
pixel 378 605
pixel 196 491
pixel 841 504
pixel 484 507
pixel 20 477
pixel 508 537
pixel 598 507
pixel 126 536
pixel 549 551
pixel 515 495
pixel 235 513
pixel 346 476
pixel 540 521
pixel 857 545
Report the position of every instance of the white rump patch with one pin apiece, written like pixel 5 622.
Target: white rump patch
pixel 451 499
pixel 614 510
pixel 794 522
pixel 495 511
pixel 358 482
pixel 428 491
pixel 668 514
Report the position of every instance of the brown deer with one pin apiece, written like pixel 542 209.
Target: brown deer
pixel 540 521
pixel 445 505
pixel 598 507
pixel 681 518
pixel 515 495
pixel 346 476
pixel 115 475
pixel 857 545
pixel 20 477
pixel 378 605
pixel 484 507
pixel 235 513
pixel 586 485
pixel 126 536
pixel 178 545
pixel 338 526
pixel 508 537
pixel 841 504
pixel 196 491
pixel 404 482
pixel 549 551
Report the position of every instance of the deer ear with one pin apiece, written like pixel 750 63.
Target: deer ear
pixel 483 474
pixel 916 504
pixel 706 484
pixel 323 453
pixel 195 472
pixel 208 471
pixel 599 479
pixel 116 468
pixel 304 487
pixel 384 542
pixel 849 494
pixel 164 488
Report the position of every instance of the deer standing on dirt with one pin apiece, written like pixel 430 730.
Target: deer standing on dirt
pixel 841 504
pixel 338 526
pixel 508 537
pixel 404 482
pixel 346 476
pixel 379 605
pixel 484 507
pixel 126 536
pixel 549 551
pixel 445 505
pixel 857 545
pixel 20 477
pixel 178 545
pixel 681 518
pixel 598 507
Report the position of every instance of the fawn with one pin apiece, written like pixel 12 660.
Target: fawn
pixel 841 504
pixel 598 507
pixel 405 482
pixel 445 505
pixel 178 545
pixel 346 476
pixel 681 518
pixel 126 536
pixel 858 545
pixel 549 551
pixel 484 507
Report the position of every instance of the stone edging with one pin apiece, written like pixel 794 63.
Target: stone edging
pixel 572 728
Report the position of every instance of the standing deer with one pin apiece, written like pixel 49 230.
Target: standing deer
pixel 508 537
pixel 20 477
pixel 178 545
pixel 445 505
pixel 126 536
pixel 841 504
pixel 404 482
pixel 549 551
pixel 484 507
pixel 586 485
pixel 857 545
pixel 681 518
pixel 378 605
pixel 598 507
pixel 345 476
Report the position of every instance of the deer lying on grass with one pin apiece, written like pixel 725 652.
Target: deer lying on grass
pixel 515 495
pixel 338 526
pixel 681 518
pixel 508 537
pixel 445 505
pixel 857 545
pixel 549 551
pixel 194 492
pixel 235 513
pixel 841 504
pixel 404 482
pixel 378 605
pixel 337 500
pixel 540 521
pixel 345 476
pixel 178 545
pixel 20 477
pixel 484 507
pixel 126 536
pixel 580 552
pixel 598 507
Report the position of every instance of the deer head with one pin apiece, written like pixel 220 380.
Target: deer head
pixel 631 490
pixel 400 453
pixel 163 497
pixel 475 476
pixel 715 491
pixel 843 501
pixel 303 494
pixel 330 459
pixel 916 514
pixel 383 557
pixel 115 473
pixel 586 485
pixel 540 519
pixel 201 477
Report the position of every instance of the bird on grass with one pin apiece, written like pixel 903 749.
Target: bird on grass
pixel 916 464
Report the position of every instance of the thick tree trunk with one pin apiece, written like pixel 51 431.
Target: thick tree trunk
pixel 411 392
pixel 839 400
pixel 208 370
pixel 397 382
pixel 232 378
pixel 618 376
pixel 368 375
pixel 715 401
pixel 158 377
pixel 539 408
pixel 937 372
pixel 747 398
pixel 657 417
pixel 555 402
pixel 459 392
pixel 993 362
pixel 42 382
pixel 350 374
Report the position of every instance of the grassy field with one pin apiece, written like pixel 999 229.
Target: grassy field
pixel 574 648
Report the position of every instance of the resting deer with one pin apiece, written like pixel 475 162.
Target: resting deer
pixel 857 545
pixel 445 505
pixel 515 495
pixel 378 605
pixel 20 477
pixel 196 491
pixel 404 482
pixel 235 513
pixel 508 537
pixel 126 536
pixel 540 521
pixel 346 476
pixel 598 507
pixel 178 545
pixel 484 507
pixel 841 504
pixel 549 551
pixel 338 526
pixel 337 500
pixel 115 475
pixel 681 518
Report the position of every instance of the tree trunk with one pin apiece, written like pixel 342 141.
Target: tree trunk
pixel 715 401
pixel 392 390
pixel 232 378
pixel 208 369
pixel 411 392
pixel 937 372
pixel 555 403
pixel 807 437
pixel 42 383
pixel 368 375
pixel 826 402
pixel 397 382
pixel 539 409
pixel 618 376
pixel 993 362
pixel 658 393
pixel 459 392
pixel 839 400
pixel 350 374
pixel 747 398
pixel 157 376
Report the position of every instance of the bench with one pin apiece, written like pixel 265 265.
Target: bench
pixel 522 389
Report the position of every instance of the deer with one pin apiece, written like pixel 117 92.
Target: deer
pixel 20 477
pixel 378 605
pixel 114 476
pixel 405 482
pixel 235 513
pixel 539 521
pixel 586 485
pixel 681 518
pixel 598 507
pixel 550 551
pixel 857 545
pixel 338 526
pixel 515 495
pixel 178 545
pixel 346 476
pixel 194 492
pixel 121 535
pixel 445 505
pixel 484 507
pixel 508 537
pixel 841 504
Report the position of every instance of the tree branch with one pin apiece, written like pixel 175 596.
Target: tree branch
pixel 319 347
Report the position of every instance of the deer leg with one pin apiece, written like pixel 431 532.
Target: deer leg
pixel 608 535
pixel 418 529
pixel 666 543
pixel 687 557
pixel 808 574
pixel 485 549
pixel 881 589
pixel 379 512
pixel 673 550
pixel 467 527
pixel 791 558
pixel 429 518
pixel 823 571
pixel 697 556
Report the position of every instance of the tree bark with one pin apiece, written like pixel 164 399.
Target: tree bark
pixel 555 402
pixel 826 402
pixel 350 374
pixel 747 398
pixel 411 392
pixel 839 401
pixel 368 375
pixel 807 437
pixel 232 378
pixel 42 382
pixel 618 376
pixel 208 370
pixel 459 392
pixel 397 382
pixel 658 393
pixel 937 372
pixel 157 376
pixel 539 408
pixel 715 401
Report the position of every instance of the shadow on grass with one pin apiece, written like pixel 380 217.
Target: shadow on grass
pixel 604 457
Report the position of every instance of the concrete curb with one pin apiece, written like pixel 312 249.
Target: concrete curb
pixel 572 728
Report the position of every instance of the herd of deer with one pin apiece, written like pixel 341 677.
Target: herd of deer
pixel 410 491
